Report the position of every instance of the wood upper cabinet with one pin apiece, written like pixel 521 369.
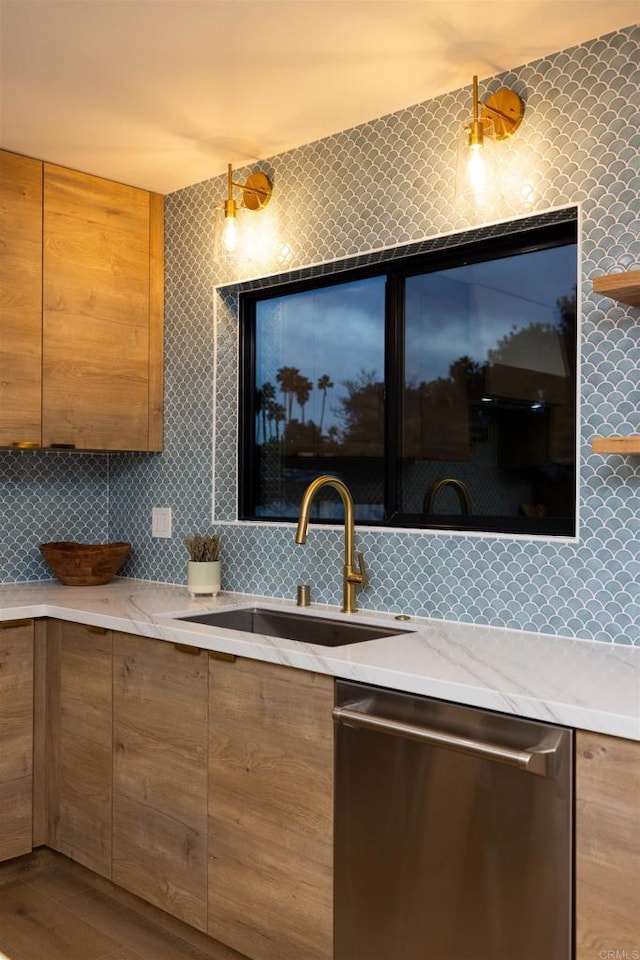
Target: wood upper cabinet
pixel 20 298
pixel 102 313
pixel 16 737
pixel 160 775
pixel 607 847
pixel 270 810
pixel 79 730
pixel 81 310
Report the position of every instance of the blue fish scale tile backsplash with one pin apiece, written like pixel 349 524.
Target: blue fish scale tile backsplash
pixel 382 184
pixel 44 497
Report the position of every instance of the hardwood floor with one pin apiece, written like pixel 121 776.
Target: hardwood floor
pixel 54 909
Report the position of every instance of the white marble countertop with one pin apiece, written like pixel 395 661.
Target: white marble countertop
pixel 579 683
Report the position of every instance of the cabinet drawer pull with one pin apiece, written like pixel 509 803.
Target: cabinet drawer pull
pixel 62 446
pixel 6 624
pixel 25 445
pixel 187 648
pixel 219 655
pixel 91 629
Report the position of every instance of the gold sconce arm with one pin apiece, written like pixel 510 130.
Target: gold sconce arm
pixel 256 191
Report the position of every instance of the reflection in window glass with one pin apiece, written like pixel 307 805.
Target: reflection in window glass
pixel 488 425
pixel 319 373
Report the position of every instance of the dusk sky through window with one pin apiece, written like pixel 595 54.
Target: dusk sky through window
pixel 338 330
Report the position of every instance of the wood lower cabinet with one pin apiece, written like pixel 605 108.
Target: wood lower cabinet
pixel 607 847
pixel 16 737
pixel 79 721
pixel 270 810
pixel 205 787
pixel 160 775
pixel 20 299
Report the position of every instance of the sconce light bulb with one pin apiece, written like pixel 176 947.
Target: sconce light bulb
pixel 229 230
pixel 476 170
pixel 230 234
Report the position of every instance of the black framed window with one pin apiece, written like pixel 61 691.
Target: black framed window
pixel 441 388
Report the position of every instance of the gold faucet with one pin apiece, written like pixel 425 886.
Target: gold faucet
pixel 439 484
pixel 351 578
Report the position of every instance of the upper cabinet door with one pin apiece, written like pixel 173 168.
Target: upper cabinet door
pixel 102 313
pixel 20 299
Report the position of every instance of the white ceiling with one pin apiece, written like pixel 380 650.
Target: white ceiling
pixel 164 93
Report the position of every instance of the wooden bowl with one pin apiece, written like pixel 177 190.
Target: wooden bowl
pixel 84 564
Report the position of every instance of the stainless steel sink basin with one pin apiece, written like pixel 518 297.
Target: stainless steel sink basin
pixel 293 626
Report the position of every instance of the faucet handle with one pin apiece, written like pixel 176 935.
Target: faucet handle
pixel 362 570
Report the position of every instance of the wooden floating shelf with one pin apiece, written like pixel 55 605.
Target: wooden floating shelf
pixel 620 286
pixel 622 445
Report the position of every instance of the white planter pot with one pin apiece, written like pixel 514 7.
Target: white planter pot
pixel 203 578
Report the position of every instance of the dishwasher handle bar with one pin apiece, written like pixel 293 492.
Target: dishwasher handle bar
pixel 538 760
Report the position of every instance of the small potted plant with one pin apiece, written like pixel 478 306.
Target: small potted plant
pixel 203 566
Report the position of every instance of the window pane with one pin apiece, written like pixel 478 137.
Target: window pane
pixel 489 389
pixel 319 372
pixel 480 423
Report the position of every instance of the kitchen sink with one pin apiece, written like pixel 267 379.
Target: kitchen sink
pixel 293 626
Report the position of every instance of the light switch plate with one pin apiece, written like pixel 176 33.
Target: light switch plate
pixel 161 522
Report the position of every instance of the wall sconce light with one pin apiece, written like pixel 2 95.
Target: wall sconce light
pixel 256 193
pixel 478 175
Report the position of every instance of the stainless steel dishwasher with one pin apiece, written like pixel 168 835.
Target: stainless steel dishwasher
pixel 454 831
